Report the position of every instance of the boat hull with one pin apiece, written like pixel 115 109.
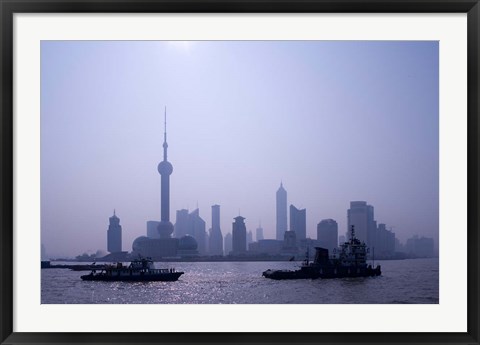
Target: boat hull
pixel 284 275
pixel 173 276
pixel 87 267
pixel 324 273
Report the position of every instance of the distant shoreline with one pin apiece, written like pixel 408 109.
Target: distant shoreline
pixel 226 259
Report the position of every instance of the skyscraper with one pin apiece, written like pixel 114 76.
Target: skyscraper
pixel 422 247
pixel 152 229
pixel 165 169
pixel 181 223
pixel 385 242
pixel 249 237
pixel 227 243
pixel 196 228
pixel 259 233
pixel 298 222
pixel 239 236
pixel 216 239
pixel 114 234
pixel 361 215
pixel 290 242
pixel 327 234
pixel 281 212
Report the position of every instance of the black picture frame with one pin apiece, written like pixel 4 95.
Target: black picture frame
pixel 9 7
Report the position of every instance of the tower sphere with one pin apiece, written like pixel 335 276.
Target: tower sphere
pixel 165 168
pixel 165 229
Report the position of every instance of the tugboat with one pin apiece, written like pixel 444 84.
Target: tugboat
pixel 138 270
pixel 351 262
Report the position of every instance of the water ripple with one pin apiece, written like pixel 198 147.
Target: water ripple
pixel 402 281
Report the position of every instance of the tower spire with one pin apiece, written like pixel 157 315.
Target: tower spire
pixel 165 169
pixel 165 145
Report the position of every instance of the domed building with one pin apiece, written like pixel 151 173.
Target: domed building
pixel 138 243
pixel 187 246
pixel 155 248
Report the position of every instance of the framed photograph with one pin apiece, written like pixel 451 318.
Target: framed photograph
pixel 239 172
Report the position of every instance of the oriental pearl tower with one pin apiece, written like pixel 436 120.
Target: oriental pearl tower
pixel 165 168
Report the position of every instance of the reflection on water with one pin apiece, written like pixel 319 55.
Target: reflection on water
pixel 402 281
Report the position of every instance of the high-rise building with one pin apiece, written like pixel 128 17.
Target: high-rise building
pixel 196 228
pixel 298 222
pixel 384 243
pixel 249 238
pixel 268 247
pixel 165 169
pixel 114 234
pixel 327 234
pixel 152 229
pixel 227 243
pixel 239 236
pixel 215 244
pixel 259 233
pixel 420 247
pixel 281 212
pixel 181 224
pixel 372 228
pixel 361 216
pixel 290 241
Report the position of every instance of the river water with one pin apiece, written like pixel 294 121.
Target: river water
pixel 402 281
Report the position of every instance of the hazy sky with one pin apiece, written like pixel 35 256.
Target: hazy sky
pixel 336 121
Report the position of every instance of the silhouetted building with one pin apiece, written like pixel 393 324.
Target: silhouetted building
pixel 181 223
pixel 327 234
pixel 308 245
pixel 259 234
pixel 290 243
pixel 249 238
pixel 165 169
pixel 420 247
pixel 215 239
pixel 227 243
pixel 281 212
pixel 152 229
pixel 239 236
pixel 155 248
pixel 399 247
pixel 298 222
pixel 385 243
pixel 187 246
pixel 114 234
pixel 196 228
pixel 267 247
pixel 361 216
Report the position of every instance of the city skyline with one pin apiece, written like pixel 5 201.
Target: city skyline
pixel 233 140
